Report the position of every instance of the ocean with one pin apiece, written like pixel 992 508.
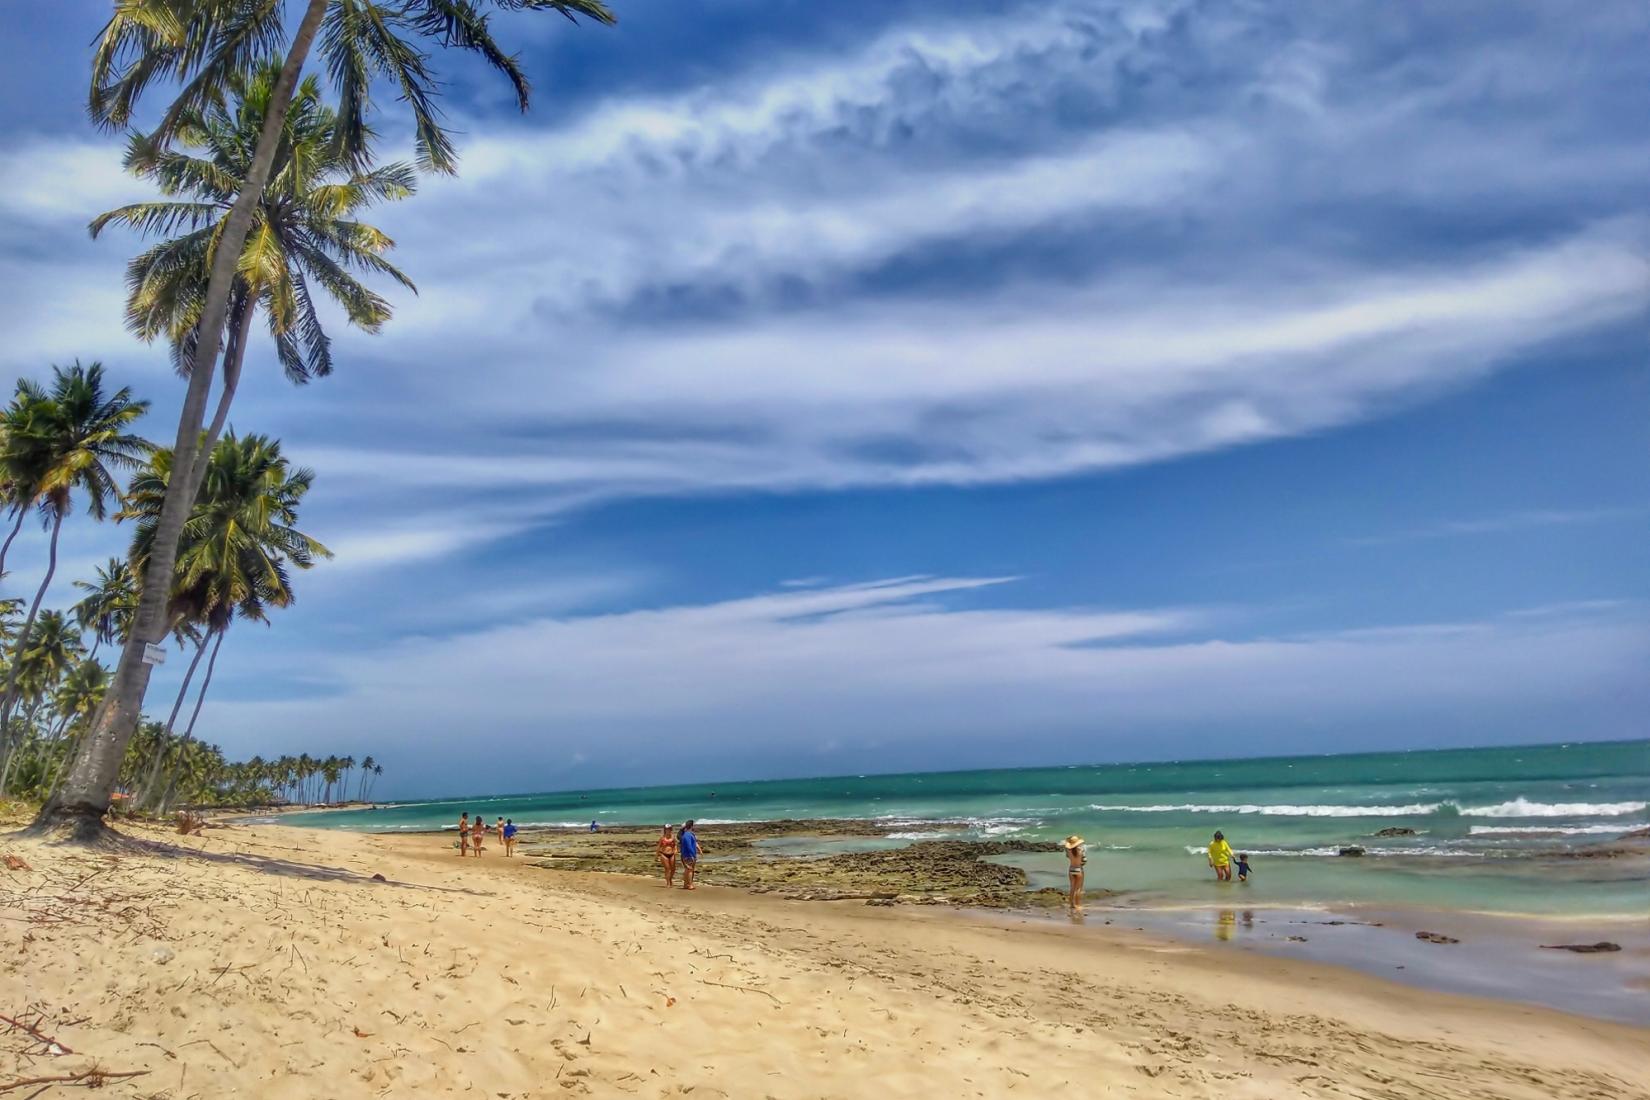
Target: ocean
pixel 1485 823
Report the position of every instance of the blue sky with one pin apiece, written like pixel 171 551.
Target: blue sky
pixel 809 389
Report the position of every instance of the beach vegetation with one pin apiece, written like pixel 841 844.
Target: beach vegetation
pixel 200 48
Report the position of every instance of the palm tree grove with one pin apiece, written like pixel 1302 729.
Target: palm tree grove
pixel 263 173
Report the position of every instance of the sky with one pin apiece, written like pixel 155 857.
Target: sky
pixel 808 389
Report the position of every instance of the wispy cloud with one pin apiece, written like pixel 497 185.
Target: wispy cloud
pixel 1522 520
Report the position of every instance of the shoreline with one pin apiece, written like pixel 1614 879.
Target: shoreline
pixel 1498 956
pixel 286 962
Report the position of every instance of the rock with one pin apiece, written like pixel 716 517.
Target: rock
pixel 379 878
pixel 1395 830
pixel 1583 948
pixel 17 863
pixel 1637 834
pixel 162 954
pixel 1436 937
pixel 1351 850
pixel 880 901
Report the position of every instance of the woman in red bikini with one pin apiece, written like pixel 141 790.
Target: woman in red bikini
pixel 667 856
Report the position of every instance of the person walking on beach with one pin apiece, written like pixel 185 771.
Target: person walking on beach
pixel 1076 859
pixel 478 833
pixel 1220 857
pixel 667 856
pixel 498 827
pixel 509 834
pixel 687 843
pixel 463 832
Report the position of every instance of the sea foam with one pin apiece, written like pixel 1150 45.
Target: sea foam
pixel 1518 807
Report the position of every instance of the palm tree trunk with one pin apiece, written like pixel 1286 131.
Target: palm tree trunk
pixel 85 795
pixel 232 357
pixel 205 683
pixel 164 742
pixel 22 644
pixel 16 527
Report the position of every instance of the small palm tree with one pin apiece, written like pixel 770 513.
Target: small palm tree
pixel 76 700
pixel 49 650
pixel 109 604
pixel 60 444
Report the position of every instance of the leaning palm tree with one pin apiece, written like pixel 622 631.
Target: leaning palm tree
pixel 201 45
pixel 68 442
pixel 236 548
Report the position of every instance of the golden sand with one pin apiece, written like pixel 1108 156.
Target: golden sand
pixel 265 961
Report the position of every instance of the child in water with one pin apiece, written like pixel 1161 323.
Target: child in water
pixel 1243 867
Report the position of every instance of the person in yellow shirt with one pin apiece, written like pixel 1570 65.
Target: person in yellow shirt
pixel 1220 857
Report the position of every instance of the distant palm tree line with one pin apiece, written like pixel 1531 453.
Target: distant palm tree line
pixel 61 447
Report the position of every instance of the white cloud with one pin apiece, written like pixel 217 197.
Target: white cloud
pixel 784 667
pixel 1494 525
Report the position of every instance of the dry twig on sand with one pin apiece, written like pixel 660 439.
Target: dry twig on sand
pixel 88 1078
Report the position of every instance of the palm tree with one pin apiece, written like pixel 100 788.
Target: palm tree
pixel 367 764
pixel 201 44
pixel 64 443
pixel 304 234
pixel 236 548
pixel 106 609
pixel 76 700
pixel 49 650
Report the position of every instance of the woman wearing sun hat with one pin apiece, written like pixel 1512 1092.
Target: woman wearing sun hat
pixel 1077 858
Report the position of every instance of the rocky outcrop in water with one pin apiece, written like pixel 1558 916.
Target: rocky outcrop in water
pixel 1395 830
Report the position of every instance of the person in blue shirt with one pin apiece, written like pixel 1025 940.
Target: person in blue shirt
pixel 509 837
pixel 687 845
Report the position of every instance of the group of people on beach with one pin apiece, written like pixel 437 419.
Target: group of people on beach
pixel 472 834
pixel 679 846
pixel 1077 859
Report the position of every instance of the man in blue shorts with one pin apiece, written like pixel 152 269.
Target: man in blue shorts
pixel 687 847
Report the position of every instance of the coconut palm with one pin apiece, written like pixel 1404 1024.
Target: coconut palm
pixel 305 241
pixel 367 764
pixel 236 548
pixel 64 443
pixel 200 45
pixel 106 609
pixel 76 699
pixel 49 649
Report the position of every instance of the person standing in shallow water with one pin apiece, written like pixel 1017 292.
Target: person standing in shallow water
pixel 1076 860
pixel 1220 857
pixel 687 843
pixel 667 856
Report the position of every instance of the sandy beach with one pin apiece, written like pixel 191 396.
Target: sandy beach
pixel 267 961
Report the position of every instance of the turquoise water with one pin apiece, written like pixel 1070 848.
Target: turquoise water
pixel 1482 816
